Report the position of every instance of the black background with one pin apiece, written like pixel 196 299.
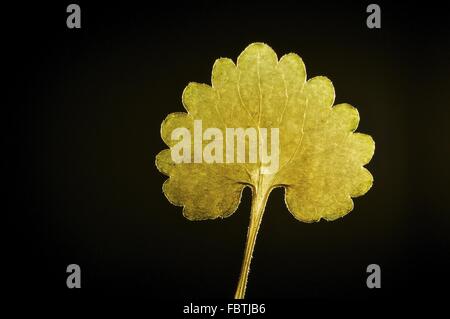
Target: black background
pixel 81 132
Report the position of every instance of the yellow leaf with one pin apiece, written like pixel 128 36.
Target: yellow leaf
pixel 320 162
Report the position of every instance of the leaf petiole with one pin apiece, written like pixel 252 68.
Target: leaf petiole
pixel 259 199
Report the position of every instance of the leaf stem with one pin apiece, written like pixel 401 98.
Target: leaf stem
pixel 259 199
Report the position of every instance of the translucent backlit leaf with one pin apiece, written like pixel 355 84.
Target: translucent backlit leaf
pixel 321 159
